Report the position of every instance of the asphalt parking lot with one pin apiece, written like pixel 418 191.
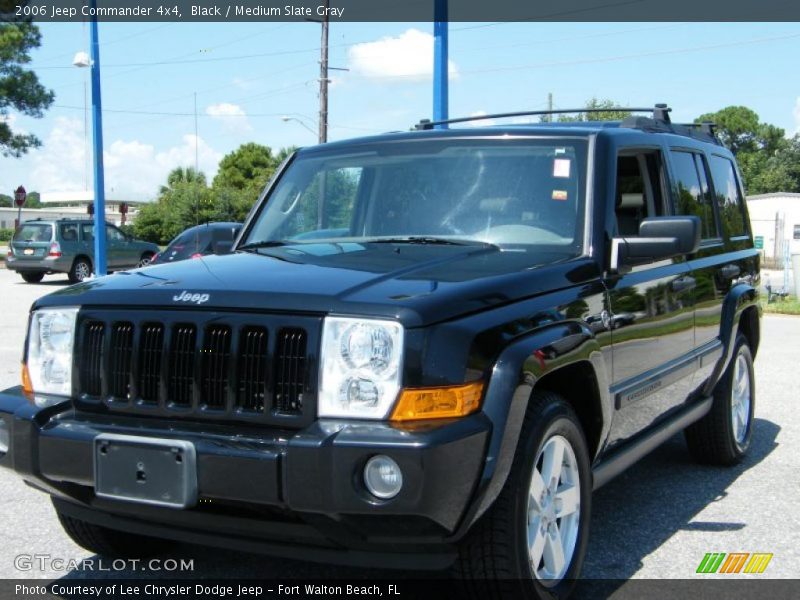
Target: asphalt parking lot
pixel 655 521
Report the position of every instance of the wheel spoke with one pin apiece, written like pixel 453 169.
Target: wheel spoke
pixel 536 491
pixel 553 552
pixel 553 460
pixel 536 542
pixel 567 501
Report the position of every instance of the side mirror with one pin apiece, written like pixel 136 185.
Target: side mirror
pixel 659 238
pixel 223 247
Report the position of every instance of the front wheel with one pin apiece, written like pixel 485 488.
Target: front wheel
pixel 81 269
pixel 723 436
pixel 533 539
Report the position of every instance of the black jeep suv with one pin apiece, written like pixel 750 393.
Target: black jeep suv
pixel 426 350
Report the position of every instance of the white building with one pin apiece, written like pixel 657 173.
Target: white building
pixel 70 205
pixel 775 219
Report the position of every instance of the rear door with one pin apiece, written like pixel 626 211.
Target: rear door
pixel 31 242
pixel 650 307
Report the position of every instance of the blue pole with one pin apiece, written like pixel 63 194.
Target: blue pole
pixel 440 60
pixel 97 145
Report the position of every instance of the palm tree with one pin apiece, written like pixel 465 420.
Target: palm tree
pixel 180 175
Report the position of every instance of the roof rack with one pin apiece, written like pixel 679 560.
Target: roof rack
pixel 659 121
pixel 660 112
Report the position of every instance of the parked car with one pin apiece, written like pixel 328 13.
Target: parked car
pixel 201 240
pixel 42 247
pixel 400 363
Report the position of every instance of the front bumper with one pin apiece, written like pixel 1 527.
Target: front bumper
pixel 267 489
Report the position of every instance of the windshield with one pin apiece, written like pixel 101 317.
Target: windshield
pixel 520 193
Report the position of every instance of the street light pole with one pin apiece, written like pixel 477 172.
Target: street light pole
pixel 97 142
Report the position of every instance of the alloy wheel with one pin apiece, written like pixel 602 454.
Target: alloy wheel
pixel 741 398
pixel 553 513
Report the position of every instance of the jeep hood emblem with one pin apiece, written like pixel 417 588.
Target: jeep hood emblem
pixel 185 296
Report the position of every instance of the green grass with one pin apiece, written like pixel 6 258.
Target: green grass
pixel 788 306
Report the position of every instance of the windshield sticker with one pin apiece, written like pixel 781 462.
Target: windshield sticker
pixel 560 195
pixel 561 167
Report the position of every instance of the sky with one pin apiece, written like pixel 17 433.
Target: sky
pixel 247 76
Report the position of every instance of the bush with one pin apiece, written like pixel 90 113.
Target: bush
pixel 6 235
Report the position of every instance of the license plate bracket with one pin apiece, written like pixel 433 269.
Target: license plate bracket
pixel 145 470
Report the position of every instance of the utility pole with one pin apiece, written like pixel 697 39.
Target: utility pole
pixel 323 80
pixel 550 107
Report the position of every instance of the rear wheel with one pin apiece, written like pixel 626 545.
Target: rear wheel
pixel 533 539
pixel 32 277
pixel 81 269
pixel 723 436
pixel 109 542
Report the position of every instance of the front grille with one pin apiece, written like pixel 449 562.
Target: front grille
pixel 193 365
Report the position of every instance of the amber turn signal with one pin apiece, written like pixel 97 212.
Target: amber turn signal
pixel 27 386
pixel 438 402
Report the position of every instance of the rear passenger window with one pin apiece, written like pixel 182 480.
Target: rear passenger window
pixel 729 199
pixel 69 232
pixel 694 197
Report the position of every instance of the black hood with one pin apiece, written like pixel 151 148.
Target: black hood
pixel 417 284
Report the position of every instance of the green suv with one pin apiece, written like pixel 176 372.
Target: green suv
pixel 42 247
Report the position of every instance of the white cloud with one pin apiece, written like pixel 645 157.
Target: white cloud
pixel 132 168
pixel 407 57
pixel 232 116
pixel 797 115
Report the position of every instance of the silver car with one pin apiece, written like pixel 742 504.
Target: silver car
pixel 41 247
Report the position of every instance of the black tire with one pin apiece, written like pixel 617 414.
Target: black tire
pixel 493 559
pixel 109 542
pixel 145 259
pixel 712 440
pixel 81 269
pixel 32 277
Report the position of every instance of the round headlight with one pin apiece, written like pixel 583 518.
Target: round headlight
pixel 367 346
pixel 383 477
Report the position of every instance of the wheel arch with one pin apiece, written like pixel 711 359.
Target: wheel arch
pixel 561 358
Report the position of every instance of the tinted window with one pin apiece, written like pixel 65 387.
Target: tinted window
pixel 729 200
pixel 88 232
pixel 192 241
pixel 225 234
pixel 693 193
pixel 69 232
pixel 638 193
pixel 114 235
pixel 34 232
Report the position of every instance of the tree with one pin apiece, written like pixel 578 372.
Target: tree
pixel 20 89
pixel 241 178
pixel 739 129
pixel 603 115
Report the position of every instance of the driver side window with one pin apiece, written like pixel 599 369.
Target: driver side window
pixel 639 190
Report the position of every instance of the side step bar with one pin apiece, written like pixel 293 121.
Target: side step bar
pixel 621 459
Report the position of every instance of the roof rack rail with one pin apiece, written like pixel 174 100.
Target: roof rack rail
pixel 660 113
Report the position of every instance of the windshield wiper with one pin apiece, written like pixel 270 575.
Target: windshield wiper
pixel 432 240
pixel 262 244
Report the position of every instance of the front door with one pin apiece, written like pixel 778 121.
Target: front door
pixel 650 309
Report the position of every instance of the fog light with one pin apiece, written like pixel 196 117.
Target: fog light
pixel 383 477
pixel 4 437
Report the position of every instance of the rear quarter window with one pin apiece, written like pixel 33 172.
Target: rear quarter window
pixel 34 232
pixel 68 232
pixel 728 196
